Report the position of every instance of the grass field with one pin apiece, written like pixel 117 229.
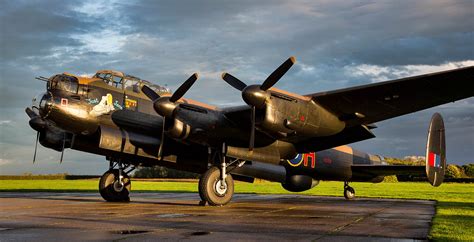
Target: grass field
pixel 454 219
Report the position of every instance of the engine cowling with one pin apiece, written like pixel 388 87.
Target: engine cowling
pixel 178 129
pixel 289 115
pixel 49 135
pixel 299 183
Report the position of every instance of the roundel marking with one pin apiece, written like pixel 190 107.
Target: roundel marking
pixel 296 161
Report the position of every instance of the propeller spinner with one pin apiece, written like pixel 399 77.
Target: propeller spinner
pixel 256 95
pixel 165 106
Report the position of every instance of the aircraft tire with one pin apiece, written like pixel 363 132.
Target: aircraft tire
pixel 349 193
pixel 109 192
pixel 209 185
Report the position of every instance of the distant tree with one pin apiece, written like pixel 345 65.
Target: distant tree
pixel 408 161
pixel 468 170
pixel 390 179
pixel 453 171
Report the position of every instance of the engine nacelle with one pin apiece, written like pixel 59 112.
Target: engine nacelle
pixel 289 115
pixel 276 173
pixel 50 136
pixel 299 183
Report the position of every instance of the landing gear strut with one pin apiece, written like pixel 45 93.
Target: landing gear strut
pixel 216 185
pixel 349 192
pixel 115 184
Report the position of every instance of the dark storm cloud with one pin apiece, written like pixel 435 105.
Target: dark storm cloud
pixel 337 44
pixel 371 32
pixel 31 28
pixel 251 39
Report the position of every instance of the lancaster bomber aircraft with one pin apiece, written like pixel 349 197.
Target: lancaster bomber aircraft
pixel 296 140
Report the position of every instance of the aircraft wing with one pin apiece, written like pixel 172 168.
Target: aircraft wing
pixel 386 170
pixel 371 103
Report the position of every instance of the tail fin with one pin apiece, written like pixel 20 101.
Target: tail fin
pixel 436 151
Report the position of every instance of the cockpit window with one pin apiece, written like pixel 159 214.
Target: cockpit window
pixel 116 81
pixel 111 80
pixel 64 82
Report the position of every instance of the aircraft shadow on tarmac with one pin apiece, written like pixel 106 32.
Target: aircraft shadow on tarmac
pixel 91 200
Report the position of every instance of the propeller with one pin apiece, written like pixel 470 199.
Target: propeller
pixel 166 105
pixel 36 146
pixel 256 95
pixel 62 151
pixel 152 95
pixel 35 122
pixel 278 73
pixel 233 81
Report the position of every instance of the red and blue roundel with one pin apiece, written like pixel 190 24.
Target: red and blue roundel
pixel 296 161
pixel 434 160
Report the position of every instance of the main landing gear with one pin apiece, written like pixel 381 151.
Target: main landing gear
pixel 349 192
pixel 115 184
pixel 216 185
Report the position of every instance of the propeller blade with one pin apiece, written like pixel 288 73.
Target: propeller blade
pixel 152 95
pixel 31 113
pixel 252 131
pixel 160 149
pixel 278 73
pixel 183 88
pixel 62 152
pixel 233 81
pixel 36 146
pixel 73 139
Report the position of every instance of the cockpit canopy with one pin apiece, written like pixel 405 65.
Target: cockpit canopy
pixel 70 83
pixel 121 80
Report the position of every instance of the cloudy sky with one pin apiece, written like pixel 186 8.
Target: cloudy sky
pixel 337 44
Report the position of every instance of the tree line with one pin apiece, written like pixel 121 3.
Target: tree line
pixel 452 170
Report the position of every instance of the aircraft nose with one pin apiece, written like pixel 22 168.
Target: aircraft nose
pixel 40 104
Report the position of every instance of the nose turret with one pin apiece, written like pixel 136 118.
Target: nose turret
pixel 41 103
pixel 38 111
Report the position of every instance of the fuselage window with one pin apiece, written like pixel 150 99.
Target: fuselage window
pixel 159 89
pixel 131 85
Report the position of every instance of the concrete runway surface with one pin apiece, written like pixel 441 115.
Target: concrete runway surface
pixel 177 216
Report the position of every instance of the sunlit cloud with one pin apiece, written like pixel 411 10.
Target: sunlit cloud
pixel 383 73
pixel 5 162
pixel 5 122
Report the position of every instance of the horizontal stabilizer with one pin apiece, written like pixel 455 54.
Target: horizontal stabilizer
pixel 435 165
pixel 388 170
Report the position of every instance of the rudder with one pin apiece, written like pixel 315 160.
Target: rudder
pixel 436 151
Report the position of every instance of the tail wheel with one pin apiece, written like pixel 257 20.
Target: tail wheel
pixel 349 193
pixel 212 190
pixel 112 190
